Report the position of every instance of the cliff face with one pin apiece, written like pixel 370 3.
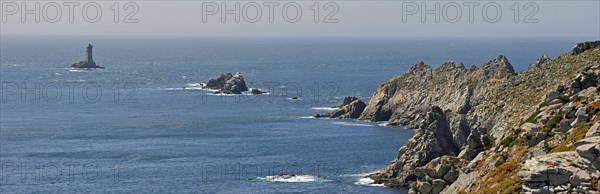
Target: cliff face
pixel 490 129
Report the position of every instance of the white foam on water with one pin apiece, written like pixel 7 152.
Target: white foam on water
pixel 84 70
pixel 307 117
pixel 362 174
pixel 382 124
pixel 292 179
pixel 352 124
pixel 324 108
pixel 366 181
pixel 194 85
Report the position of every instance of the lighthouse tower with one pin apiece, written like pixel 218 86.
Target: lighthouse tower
pixel 88 54
pixel 88 62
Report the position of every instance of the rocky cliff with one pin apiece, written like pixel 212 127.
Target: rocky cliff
pixel 490 129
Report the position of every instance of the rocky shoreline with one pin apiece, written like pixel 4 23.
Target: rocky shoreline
pixel 490 129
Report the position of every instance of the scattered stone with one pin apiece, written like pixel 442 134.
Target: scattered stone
pixel 593 131
pixel 424 187
pixel 579 120
pixel 551 96
pixel 530 127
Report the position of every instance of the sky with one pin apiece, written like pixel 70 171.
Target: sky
pixel 381 18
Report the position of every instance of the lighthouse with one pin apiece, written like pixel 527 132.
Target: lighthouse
pixel 88 62
pixel 88 54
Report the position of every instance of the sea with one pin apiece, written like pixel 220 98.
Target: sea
pixel 144 125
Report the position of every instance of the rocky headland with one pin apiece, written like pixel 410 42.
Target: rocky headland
pixel 490 129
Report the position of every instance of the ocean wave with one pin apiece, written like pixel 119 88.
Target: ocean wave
pixel 285 178
pixel 382 124
pixel 362 174
pixel 366 181
pixel 307 117
pixel 83 70
pixel 212 92
pixel 352 124
pixel 194 85
pixel 324 108
pixel 77 80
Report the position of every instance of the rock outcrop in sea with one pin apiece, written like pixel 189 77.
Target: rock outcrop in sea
pixel 88 63
pixel 491 129
pixel 351 108
pixel 228 83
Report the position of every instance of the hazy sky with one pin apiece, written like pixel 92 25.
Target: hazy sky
pixel 347 18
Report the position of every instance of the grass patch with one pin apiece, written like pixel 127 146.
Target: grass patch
pixel 491 144
pixel 543 104
pixel 507 140
pixel 552 123
pixel 511 141
pixel 576 135
pixel 517 141
pixel 532 118
pixel 530 135
pixel 594 108
pixel 504 179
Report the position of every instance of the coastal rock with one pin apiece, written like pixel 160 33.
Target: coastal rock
pixel 584 46
pixel 555 172
pixel 451 86
pixel 479 115
pixel 432 139
pixel 228 83
pixel 256 91
pixel 351 108
pixel 437 168
pixel 539 62
pixel 439 173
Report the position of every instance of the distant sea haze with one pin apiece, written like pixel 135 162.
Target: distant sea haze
pixel 152 129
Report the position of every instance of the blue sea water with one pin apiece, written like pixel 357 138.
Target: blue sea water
pixel 142 124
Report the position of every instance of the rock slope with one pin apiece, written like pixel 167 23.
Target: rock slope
pixel 490 129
